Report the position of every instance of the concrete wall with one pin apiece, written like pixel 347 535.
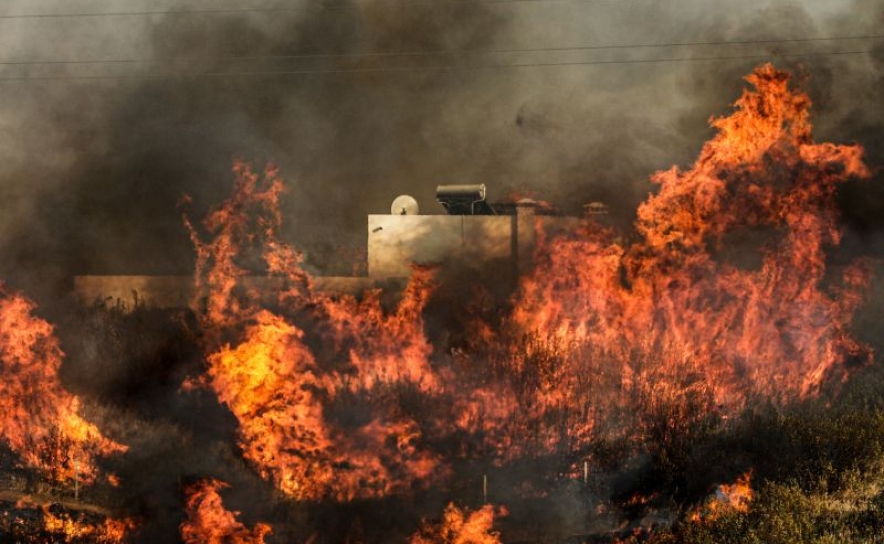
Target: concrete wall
pixel 178 291
pixel 129 291
pixel 494 247
pixel 396 241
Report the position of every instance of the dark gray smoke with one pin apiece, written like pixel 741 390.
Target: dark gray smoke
pixel 92 170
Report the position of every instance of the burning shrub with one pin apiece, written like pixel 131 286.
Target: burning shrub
pixel 27 523
pixel 748 328
pixel 110 531
pixel 784 514
pixel 208 522
pixel 40 420
pixel 733 497
pixel 459 527
pixel 672 309
pixel 656 345
pixel 648 341
pixel 272 380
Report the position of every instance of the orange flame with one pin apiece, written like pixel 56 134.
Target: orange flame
pixel 275 385
pixel 39 418
pixel 735 497
pixel 248 220
pixel 775 325
pixel 458 527
pixel 671 327
pixel 111 531
pixel 208 522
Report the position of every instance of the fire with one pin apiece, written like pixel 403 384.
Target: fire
pixel 252 211
pixel 278 388
pixel 345 398
pixel 24 521
pixel 270 383
pixel 39 417
pixel 208 522
pixel 385 348
pixel 458 527
pixel 111 531
pixel 735 497
pixel 769 320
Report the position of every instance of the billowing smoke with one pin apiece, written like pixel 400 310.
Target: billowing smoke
pixel 92 170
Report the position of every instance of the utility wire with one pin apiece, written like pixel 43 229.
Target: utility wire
pixel 370 54
pixel 320 7
pixel 401 69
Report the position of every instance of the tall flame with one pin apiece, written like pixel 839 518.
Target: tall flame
pixel 775 327
pixel 344 398
pixel 209 522
pixel 460 527
pixel 274 383
pixel 38 417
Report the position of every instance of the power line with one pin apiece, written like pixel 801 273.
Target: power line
pixel 440 68
pixel 369 54
pixel 233 11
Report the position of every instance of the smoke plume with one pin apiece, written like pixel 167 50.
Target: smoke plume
pixel 92 170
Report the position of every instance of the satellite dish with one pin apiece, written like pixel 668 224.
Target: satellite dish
pixel 404 205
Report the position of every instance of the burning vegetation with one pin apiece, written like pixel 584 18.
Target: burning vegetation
pixel 624 377
pixel 459 527
pixel 208 522
pixel 40 418
pixel 27 523
pixel 672 304
pixel 734 497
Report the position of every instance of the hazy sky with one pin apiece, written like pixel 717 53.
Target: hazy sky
pixel 91 170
